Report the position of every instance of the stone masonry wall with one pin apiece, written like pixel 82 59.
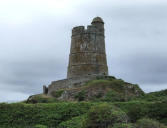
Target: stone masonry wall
pixel 68 83
pixel 87 54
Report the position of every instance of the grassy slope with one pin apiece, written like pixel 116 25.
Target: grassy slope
pixel 56 113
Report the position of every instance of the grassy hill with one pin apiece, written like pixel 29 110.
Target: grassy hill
pixel 101 103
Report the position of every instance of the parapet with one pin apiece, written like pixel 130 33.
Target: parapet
pixel 78 30
pixel 94 29
pixel 91 29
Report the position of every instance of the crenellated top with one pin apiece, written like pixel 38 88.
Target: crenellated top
pixel 91 29
pixel 97 27
pixel 78 30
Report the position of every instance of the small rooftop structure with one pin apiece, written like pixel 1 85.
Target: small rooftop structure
pixel 97 19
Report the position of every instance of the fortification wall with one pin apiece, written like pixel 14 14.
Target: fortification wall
pixel 68 83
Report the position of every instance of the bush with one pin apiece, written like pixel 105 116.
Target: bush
pixel 149 123
pixel 57 94
pixel 141 109
pixel 158 111
pixel 134 109
pixel 40 126
pixel 40 99
pixel 104 115
pixel 154 96
pixel 113 96
pixel 19 115
pixel 76 122
pixel 122 125
pixel 80 96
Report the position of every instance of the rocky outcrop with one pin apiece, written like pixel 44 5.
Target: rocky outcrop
pixel 107 88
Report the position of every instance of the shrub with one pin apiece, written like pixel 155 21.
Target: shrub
pixel 40 99
pixel 76 122
pixel 113 96
pixel 104 115
pixel 158 110
pixel 149 123
pixel 80 96
pixel 40 126
pixel 122 125
pixel 154 96
pixel 57 94
pixel 19 115
pixel 134 109
pixel 142 109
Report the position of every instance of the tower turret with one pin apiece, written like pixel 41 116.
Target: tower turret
pixel 87 53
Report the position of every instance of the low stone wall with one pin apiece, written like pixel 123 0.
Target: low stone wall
pixel 69 83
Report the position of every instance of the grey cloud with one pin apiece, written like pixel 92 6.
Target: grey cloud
pixel 142 69
pixel 29 76
pixel 35 53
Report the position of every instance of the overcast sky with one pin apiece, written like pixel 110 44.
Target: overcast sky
pixel 35 42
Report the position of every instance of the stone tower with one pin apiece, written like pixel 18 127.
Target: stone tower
pixel 87 53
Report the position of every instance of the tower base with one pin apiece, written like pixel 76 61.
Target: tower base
pixel 68 83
